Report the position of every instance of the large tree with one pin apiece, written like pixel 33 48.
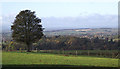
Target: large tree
pixel 27 28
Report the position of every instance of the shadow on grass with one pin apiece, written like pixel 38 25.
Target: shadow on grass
pixel 53 67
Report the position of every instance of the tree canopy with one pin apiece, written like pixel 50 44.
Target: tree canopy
pixel 27 28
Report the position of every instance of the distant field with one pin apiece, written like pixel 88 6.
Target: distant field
pixel 83 31
pixel 19 58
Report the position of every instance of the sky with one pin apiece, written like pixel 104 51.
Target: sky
pixel 64 13
pixel 60 9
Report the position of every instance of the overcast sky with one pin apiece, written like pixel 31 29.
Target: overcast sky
pixel 79 13
pixel 61 9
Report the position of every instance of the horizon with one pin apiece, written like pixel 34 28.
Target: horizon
pixel 6 30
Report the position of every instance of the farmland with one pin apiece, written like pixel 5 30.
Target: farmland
pixel 61 48
pixel 80 32
pixel 85 32
pixel 18 58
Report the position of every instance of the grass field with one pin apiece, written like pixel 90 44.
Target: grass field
pixel 18 58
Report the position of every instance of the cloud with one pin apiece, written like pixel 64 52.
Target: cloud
pixel 88 21
pixel 7 21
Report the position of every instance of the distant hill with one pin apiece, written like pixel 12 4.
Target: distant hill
pixel 58 23
pixel 84 32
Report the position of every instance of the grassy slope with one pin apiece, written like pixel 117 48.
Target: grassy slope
pixel 40 58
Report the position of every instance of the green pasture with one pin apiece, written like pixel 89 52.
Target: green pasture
pixel 18 58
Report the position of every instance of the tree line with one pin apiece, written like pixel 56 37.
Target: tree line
pixel 66 43
pixel 75 43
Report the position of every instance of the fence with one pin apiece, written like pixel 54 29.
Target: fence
pixel 99 53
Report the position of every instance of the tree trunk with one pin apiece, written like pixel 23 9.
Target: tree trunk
pixel 29 47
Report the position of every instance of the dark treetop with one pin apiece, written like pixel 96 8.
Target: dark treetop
pixel 27 27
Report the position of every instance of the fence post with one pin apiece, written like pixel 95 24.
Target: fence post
pixel 36 49
pixel 100 54
pixel 76 52
pixel 88 53
pixel 20 50
pixel 63 51
pixel 6 48
pixel 112 55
